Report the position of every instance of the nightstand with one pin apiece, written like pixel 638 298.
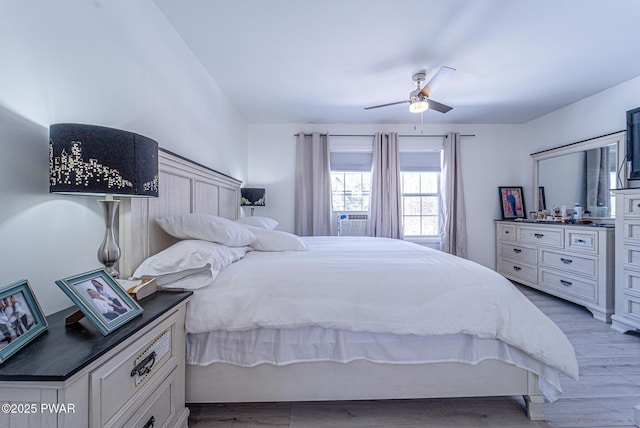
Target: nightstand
pixel 73 376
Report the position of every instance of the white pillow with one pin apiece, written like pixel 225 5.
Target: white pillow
pixel 261 222
pixel 207 227
pixel 188 264
pixel 275 240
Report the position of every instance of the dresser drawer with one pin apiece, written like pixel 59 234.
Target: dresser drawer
pixel 631 206
pixel 115 384
pixel 631 283
pixel 519 252
pixel 569 284
pixel 630 308
pixel 581 264
pixel 518 271
pixel 541 236
pixel 631 231
pixel 581 240
pixel 630 257
pixel 507 232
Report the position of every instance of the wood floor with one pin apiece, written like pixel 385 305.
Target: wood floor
pixel 608 389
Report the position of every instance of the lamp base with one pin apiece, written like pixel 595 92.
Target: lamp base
pixel 109 251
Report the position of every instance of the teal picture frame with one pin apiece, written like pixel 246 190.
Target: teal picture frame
pixel 101 299
pixel 21 318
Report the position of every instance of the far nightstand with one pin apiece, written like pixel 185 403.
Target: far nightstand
pixel 76 377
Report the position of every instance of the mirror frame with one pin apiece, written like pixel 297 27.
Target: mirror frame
pixel 617 138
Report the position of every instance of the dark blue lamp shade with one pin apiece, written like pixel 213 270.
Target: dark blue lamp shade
pixel 252 197
pixel 98 160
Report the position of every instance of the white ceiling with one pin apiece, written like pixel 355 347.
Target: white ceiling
pixel 323 61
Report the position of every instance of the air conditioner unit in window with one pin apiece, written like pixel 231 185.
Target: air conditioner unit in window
pixel 353 225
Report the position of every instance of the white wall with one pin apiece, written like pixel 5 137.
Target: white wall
pixel 490 159
pixel 114 63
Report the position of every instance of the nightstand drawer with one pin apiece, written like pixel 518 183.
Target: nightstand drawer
pixel 116 383
pixel 157 410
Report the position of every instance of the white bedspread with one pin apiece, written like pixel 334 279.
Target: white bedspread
pixel 381 286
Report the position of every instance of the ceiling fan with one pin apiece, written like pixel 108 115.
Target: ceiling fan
pixel 419 100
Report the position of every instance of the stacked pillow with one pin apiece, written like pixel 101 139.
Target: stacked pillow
pixel 208 244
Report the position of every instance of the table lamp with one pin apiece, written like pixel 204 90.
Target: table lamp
pixel 252 197
pixel 95 160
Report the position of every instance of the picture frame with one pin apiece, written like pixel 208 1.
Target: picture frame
pixel 542 203
pixel 512 202
pixel 21 318
pixel 101 299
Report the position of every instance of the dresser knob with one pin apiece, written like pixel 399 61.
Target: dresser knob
pixel 566 283
pixel 538 235
pixel 566 261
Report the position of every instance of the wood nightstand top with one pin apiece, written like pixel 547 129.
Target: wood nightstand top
pixel 63 351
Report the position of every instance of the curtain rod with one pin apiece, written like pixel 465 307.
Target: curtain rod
pixel 371 135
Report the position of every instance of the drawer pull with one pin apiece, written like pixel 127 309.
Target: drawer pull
pixel 566 283
pixel 150 423
pixel 517 268
pixel 566 261
pixel 538 235
pixel 506 232
pixel 517 250
pixel 144 366
pixel 580 241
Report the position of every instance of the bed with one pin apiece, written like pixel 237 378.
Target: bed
pixel 330 321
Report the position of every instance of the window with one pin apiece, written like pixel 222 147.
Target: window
pixel 420 203
pixel 351 160
pixel 420 187
pixel 350 190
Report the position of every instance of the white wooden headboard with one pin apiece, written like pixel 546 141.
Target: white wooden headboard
pixel 184 187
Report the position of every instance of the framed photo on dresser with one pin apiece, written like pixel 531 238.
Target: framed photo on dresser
pixel 101 299
pixel 512 202
pixel 21 318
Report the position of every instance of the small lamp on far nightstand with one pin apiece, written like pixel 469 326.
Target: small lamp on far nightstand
pixel 253 197
pixel 94 160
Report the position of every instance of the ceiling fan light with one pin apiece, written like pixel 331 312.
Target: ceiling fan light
pixel 418 106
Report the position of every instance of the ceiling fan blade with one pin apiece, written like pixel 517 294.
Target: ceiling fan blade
pixel 388 104
pixel 443 74
pixel 434 105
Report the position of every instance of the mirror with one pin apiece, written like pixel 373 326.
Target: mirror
pixel 584 172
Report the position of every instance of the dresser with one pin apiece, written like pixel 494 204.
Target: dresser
pixel 627 314
pixel 573 262
pixel 73 376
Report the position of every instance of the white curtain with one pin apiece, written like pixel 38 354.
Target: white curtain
pixel 385 209
pixel 313 186
pixel 453 223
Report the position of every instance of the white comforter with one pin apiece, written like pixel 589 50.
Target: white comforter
pixel 377 285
